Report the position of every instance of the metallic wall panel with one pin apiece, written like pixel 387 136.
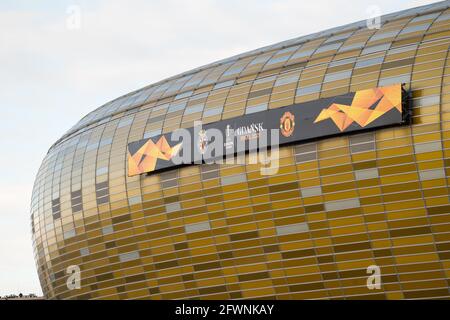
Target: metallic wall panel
pixel 335 207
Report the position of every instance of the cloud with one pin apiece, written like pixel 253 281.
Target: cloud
pixel 17 272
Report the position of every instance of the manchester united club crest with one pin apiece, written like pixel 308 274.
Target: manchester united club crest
pixel 287 124
pixel 202 141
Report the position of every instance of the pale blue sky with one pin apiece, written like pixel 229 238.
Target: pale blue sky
pixel 51 76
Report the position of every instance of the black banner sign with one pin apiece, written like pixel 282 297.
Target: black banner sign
pixel 351 112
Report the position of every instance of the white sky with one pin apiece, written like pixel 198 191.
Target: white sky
pixel 51 76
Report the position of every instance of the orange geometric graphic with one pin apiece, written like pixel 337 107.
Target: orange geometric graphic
pixel 367 106
pixel 144 160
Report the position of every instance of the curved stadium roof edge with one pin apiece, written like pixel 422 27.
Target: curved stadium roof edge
pixel 121 105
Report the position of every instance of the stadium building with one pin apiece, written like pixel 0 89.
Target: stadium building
pixel 362 179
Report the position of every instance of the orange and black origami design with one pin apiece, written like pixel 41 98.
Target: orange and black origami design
pixel 146 157
pixel 367 106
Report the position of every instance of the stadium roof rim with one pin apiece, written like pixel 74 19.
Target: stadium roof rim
pixel 416 11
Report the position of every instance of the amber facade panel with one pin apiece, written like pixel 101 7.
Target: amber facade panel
pixel 336 206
